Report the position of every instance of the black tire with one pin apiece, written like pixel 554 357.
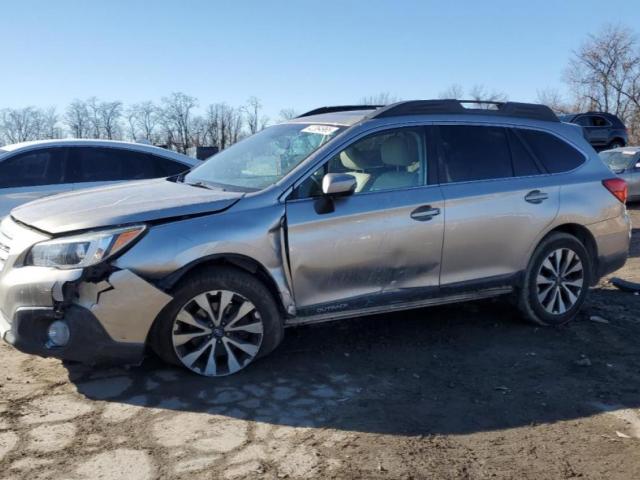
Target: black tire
pixel 528 300
pixel 615 144
pixel 219 278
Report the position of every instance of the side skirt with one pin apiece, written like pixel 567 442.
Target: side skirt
pixel 396 307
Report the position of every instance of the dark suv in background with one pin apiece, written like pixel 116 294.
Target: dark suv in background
pixel 602 130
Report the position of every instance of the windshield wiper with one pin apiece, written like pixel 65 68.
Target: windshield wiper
pixel 199 184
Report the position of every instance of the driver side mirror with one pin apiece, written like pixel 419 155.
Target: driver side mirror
pixel 338 184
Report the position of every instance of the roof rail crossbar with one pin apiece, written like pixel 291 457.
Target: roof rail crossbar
pixel 451 106
pixel 339 108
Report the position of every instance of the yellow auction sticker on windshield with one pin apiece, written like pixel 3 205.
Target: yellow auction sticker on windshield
pixel 320 129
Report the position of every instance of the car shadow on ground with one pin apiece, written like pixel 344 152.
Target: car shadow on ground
pixel 453 369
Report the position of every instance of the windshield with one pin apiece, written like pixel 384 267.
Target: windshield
pixel 618 161
pixel 264 158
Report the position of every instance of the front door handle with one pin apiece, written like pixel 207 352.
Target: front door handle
pixel 425 213
pixel 536 196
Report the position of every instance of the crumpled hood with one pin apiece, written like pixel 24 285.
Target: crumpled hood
pixel 124 203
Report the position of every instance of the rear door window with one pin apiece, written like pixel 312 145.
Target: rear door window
pixel 524 162
pixel 44 166
pixel 100 164
pixel 168 168
pixel 474 153
pixel 583 121
pixel 598 121
pixel 555 155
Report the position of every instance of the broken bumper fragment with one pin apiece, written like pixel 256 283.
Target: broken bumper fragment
pixel 63 316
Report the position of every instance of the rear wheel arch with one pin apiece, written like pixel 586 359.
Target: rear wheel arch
pixel 575 230
pixel 617 140
pixel 540 279
pixel 585 237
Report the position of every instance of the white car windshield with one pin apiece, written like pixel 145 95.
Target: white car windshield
pixel 618 161
pixel 264 158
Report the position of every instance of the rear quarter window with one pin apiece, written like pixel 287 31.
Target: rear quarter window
pixel 554 154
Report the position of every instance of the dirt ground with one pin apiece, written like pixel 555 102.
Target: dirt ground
pixel 464 391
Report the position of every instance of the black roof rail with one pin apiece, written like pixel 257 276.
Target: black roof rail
pixel 339 108
pixel 451 106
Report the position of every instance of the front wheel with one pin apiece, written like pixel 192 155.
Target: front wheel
pixel 218 323
pixel 556 281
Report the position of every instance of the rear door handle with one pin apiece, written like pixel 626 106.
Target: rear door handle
pixel 425 213
pixel 536 196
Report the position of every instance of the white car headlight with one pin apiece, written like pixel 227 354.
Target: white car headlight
pixel 84 250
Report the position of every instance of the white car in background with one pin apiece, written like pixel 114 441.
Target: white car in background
pixel 32 170
pixel 625 162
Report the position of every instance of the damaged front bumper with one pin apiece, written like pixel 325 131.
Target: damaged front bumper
pixel 108 320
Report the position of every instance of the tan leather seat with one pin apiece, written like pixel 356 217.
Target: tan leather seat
pixel 354 161
pixel 395 152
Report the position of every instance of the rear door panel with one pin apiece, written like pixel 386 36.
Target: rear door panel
pixel 491 216
pixel 489 227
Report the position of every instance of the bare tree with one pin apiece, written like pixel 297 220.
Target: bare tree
pixel 480 93
pixel 287 114
pixel 93 109
pixel 555 101
pixel 177 113
pixel 50 124
pixel 382 98
pixel 21 124
pixel 110 115
pixel 143 120
pixel 455 91
pixel 255 121
pixel 77 119
pixel 104 118
pixel 604 74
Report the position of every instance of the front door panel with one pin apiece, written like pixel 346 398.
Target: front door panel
pixel 367 251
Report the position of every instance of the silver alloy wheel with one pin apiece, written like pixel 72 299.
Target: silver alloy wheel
pixel 217 333
pixel 560 281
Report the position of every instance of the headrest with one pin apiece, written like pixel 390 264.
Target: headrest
pixel 352 159
pixel 394 151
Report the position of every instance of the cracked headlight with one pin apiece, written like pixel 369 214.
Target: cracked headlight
pixel 84 250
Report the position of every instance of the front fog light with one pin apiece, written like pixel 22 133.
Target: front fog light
pixel 58 334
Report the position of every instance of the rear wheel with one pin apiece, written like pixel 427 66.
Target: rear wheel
pixel 218 323
pixel 556 281
pixel 616 144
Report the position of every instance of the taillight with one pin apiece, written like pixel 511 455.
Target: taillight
pixel 617 187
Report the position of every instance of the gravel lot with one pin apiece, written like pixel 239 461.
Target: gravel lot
pixel 463 391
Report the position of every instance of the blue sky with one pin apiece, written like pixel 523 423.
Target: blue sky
pixel 290 54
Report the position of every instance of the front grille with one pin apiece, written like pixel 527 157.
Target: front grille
pixel 5 248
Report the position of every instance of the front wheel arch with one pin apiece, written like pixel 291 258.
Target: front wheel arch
pixel 244 285
pixel 231 260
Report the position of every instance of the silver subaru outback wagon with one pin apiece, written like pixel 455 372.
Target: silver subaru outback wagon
pixel 342 212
